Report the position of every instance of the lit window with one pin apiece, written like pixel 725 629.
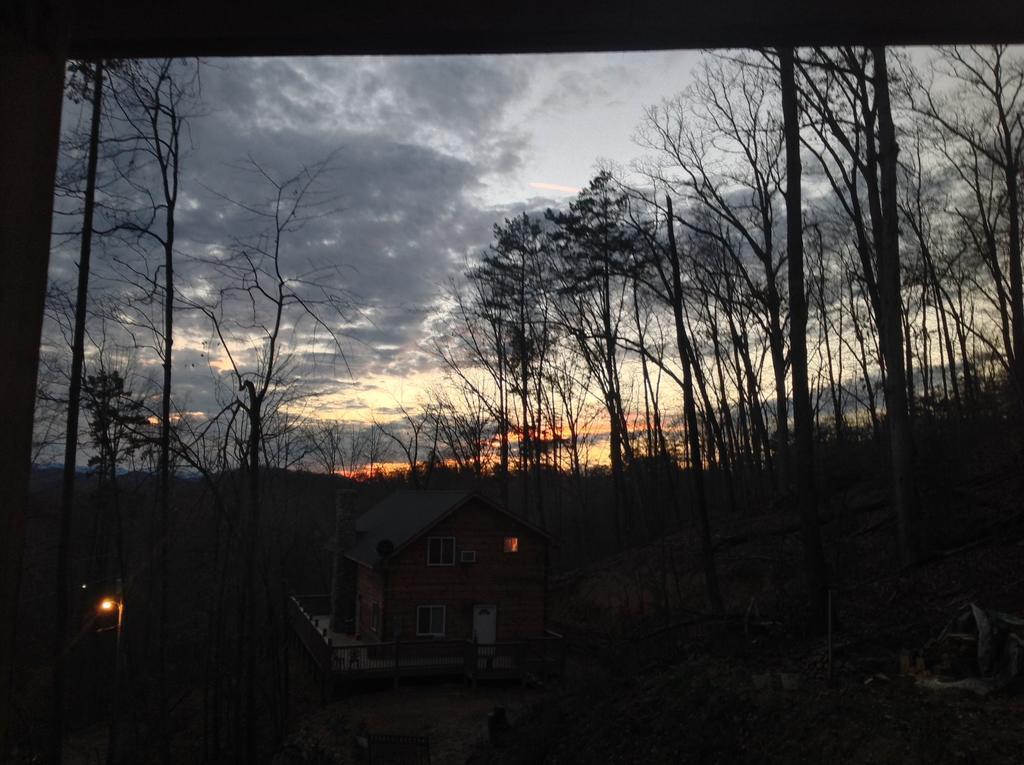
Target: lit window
pixel 430 621
pixel 440 551
pixel 511 544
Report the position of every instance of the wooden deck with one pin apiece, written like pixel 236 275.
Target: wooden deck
pixel 540 656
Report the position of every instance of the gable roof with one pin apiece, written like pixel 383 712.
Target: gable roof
pixel 405 515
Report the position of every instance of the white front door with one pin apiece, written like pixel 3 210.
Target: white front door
pixel 485 624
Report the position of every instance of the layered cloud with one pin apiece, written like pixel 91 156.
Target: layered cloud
pixel 425 155
pixel 411 144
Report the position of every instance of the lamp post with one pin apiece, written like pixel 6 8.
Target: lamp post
pixel 107 605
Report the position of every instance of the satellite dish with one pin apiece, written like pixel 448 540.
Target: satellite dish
pixel 385 547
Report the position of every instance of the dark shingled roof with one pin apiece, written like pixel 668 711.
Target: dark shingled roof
pixel 400 517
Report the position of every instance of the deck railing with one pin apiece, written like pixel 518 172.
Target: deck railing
pixel 303 612
pixel 510 659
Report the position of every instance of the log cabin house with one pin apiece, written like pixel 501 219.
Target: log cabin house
pixel 432 582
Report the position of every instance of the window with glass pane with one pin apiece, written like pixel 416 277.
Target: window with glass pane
pixel 430 621
pixel 440 551
pixel 511 544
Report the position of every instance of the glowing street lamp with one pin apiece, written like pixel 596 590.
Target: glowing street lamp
pixel 106 606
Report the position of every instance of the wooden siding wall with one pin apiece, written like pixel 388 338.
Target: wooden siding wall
pixel 514 582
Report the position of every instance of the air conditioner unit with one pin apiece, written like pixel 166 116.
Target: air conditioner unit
pixel 467 556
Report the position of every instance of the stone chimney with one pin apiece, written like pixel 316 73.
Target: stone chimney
pixel 343 570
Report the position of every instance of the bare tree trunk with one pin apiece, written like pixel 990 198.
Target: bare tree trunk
pixel 1012 172
pixel 715 438
pixel 727 439
pixel 778 355
pixel 525 436
pixel 1016 296
pixel 165 482
pixel 71 435
pixel 862 362
pixel 803 424
pixel 901 446
pixel 747 380
pixel 538 451
pixel 908 360
pixel 249 573
pixel 833 383
pixel 504 446
pixel 692 428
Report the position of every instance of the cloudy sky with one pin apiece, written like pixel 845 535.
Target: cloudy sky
pixel 427 154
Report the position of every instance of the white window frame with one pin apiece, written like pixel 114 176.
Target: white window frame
pixel 444 621
pixel 441 560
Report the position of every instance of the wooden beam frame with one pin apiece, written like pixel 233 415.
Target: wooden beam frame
pixel 36 36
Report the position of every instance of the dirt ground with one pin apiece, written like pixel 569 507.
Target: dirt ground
pixel 709 711
pixel 719 697
pixel 452 714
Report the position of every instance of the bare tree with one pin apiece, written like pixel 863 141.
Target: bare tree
pixel 803 423
pixel 478 340
pixel 979 127
pixel 416 435
pixel 720 146
pixel 846 94
pixel 71 427
pixel 696 464
pixel 260 309
pixel 593 243
pixel 153 102
pixel 465 429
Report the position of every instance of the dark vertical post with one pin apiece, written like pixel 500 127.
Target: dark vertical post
pixel 473 654
pixel 31 80
pixel 396 663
